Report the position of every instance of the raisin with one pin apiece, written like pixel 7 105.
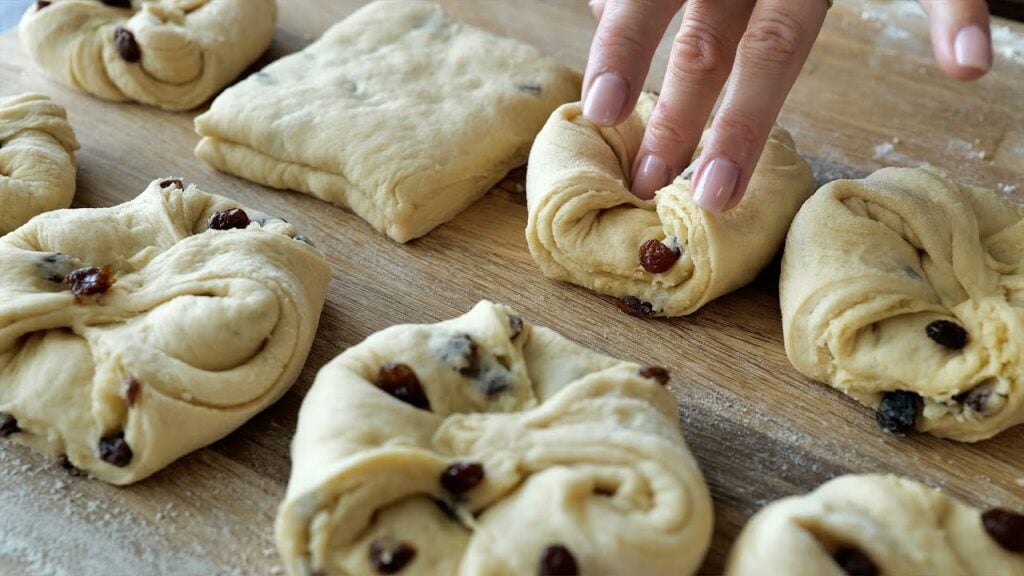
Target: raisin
pixel 462 353
pixel 635 307
pixel 390 557
pixel 172 183
pixel 131 391
pixel 114 450
pixel 855 563
pixel 400 381
pixel 90 281
pixel 948 334
pixel 461 477
pixel 118 3
pixel 534 89
pixel 657 373
pixel 42 4
pixel 1005 527
pixel 898 411
pixel 66 465
pixel 127 47
pixel 8 425
pixel 232 219
pixel 516 323
pixel 656 257
pixel 557 560
pixel 977 399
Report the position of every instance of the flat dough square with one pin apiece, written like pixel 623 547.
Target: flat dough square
pixel 398 112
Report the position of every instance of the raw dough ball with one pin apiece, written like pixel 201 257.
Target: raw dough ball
pixel 663 257
pixel 485 445
pixel 174 54
pixel 854 523
pixel 37 159
pixel 400 113
pixel 135 334
pixel 904 290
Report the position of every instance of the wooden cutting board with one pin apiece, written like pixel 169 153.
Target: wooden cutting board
pixel 869 97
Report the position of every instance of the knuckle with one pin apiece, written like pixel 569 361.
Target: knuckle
pixel 619 42
pixel 699 51
pixel 742 130
pixel 668 131
pixel 773 39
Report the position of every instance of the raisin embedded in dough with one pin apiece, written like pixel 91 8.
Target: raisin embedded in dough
pixel 577 466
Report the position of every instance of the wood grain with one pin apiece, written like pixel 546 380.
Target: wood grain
pixel 870 96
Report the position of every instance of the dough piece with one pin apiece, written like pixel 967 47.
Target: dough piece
pixel 905 290
pixel 585 227
pixel 399 113
pixel 498 446
pixel 891 524
pixel 37 159
pixel 174 54
pixel 133 335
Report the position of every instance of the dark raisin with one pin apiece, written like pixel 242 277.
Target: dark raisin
pixel 657 373
pixel 8 425
pixel 855 563
pixel 132 388
pixel 948 334
pixel 66 465
pixel 898 411
pixel 118 3
pixel 656 257
pixel 114 450
pixel 977 399
pixel 1005 527
pixel 400 381
pixel 172 183
pixel 42 4
pixel 232 219
pixel 388 556
pixel 461 477
pixel 516 323
pixel 462 353
pixel 635 307
pixel 557 560
pixel 90 281
pixel 127 47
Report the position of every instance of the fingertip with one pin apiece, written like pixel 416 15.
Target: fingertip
pixel 715 183
pixel 605 102
pixel 597 8
pixel 652 174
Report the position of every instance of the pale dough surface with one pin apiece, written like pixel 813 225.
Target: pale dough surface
pixel 37 159
pixel 904 527
pixel 211 325
pixel 870 263
pixel 585 227
pixel 578 449
pixel 190 48
pixel 398 112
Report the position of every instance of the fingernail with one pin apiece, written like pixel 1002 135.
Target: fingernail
pixel 716 184
pixel 652 175
pixel 973 49
pixel 606 99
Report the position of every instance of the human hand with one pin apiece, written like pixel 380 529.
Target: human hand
pixel 763 44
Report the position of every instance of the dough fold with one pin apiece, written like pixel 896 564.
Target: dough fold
pixel 37 159
pixel 399 113
pixel 585 227
pixel 577 450
pixel 190 49
pixel 132 335
pixel 872 266
pixel 903 527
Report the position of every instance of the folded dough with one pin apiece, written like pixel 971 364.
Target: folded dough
pixel 37 159
pixel 398 112
pixel 485 445
pixel 174 54
pixel 132 335
pixel 585 227
pixel 854 523
pixel 905 290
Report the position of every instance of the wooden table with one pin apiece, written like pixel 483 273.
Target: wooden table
pixel 870 96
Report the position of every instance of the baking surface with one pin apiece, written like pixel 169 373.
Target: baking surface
pixel 870 96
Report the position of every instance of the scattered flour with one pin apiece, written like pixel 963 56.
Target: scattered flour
pixel 1007 188
pixel 968 149
pixel 1008 43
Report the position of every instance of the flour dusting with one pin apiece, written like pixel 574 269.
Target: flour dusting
pixel 1008 43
